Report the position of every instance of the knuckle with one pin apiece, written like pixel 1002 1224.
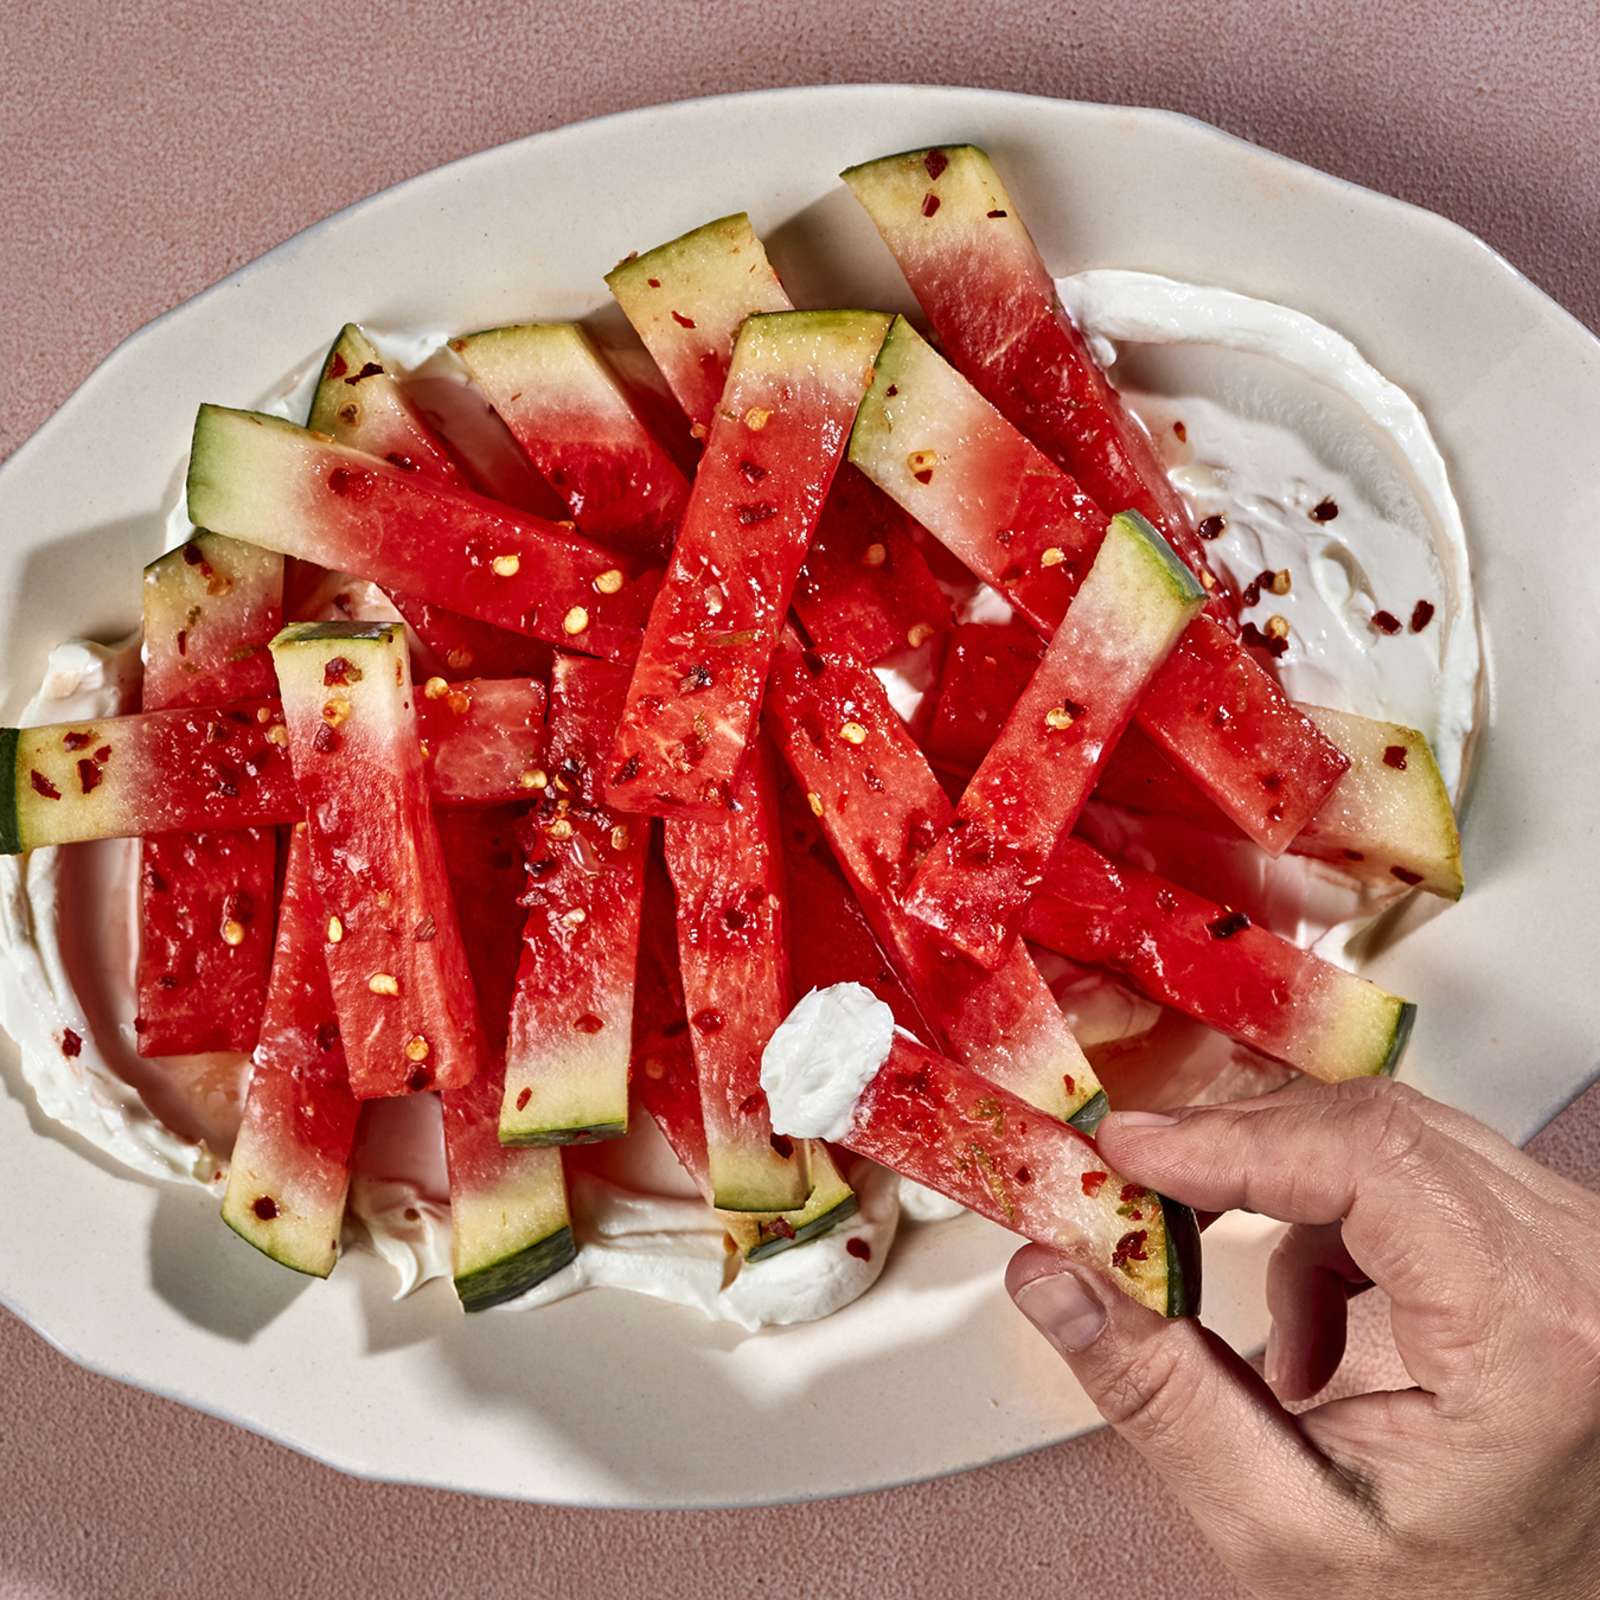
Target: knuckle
pixel 1144 1395
pixel 1396 1132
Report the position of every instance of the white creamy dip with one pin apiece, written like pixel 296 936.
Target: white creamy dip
pixel 1279 415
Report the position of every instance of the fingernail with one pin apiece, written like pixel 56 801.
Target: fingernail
pixel 1143 1119
pixel 1272 1364
pixel 1067 1313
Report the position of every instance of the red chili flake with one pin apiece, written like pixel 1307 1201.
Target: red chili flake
pixel 370 370
pixel 1228 924
pixel 681 320
pixel 761 511
pixel 859 1248
pixel 411 1214
pixel 1405 875
pixel 588 1023
pixel 753 471
pixel 1421 615
pixel 1130 1247
pixel 925 476
pixel 405 463
pixel 1324 511
pixel 993 214
pixel 192 555
pixel 708 1021
pixel 935 162
pixel 336 671
pixel 342 481
pixel 1023 1174
pixel 1352 855
pixel 780 1228
pixel 1181 432
pixel 1385 622
pixel 325 740
pixel 1251 593
pixel 523 1098
pixel 182 641
pixel 698 677
pixel 1252 635
pixel 327 1035
pixel 752 1103
pixel 735 918
pixel 420 1079
pixel 265 1207
pixel 655 283
pixel 930 203
pixel 74 741
pixel 1092 1182
pixel 1070 1082
pixel 1394 755
pixel 892 390
pixel 103 754
pixel 1272 782
pixel 71 1043
pixel 338 366
pixel 42 785
pixel 628 771
pixel 425 929
pixel 166 981
pixel 782 1143
pixel 1129 1191
pixel 1212 527
pixel 88 775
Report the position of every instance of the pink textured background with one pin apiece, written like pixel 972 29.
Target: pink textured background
pixel 146 149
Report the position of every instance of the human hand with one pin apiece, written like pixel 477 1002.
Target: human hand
pixel 1484 1479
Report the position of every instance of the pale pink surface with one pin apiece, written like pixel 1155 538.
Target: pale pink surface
pixel 147 150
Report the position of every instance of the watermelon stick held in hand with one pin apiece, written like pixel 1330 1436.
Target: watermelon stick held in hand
pixel 290 1168
pixel 839 1069
pixel 395 958
pixel 733 953
pixel 262 479
pixel 566 1078
pixel 881 807
pixel 975 884
pixel 864 585
pixel 930 440
pixel 228 766
pixel 793 388
pixel 959 239
pixel 211 608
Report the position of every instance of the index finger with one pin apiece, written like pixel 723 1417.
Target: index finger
pixel 1417 1207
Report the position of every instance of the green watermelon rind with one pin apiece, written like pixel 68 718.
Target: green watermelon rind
pixel 514 1275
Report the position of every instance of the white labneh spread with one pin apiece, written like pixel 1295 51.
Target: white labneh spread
pixel 824 1053
pixel 1300 457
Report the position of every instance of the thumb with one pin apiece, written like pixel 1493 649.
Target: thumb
pixel 1197 1413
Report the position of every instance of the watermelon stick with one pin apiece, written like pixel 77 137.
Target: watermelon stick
pixel 975 884
pixel 566 1077
pixel 359 402
pixel 395 957
pixel 665 1081
pixel 1213 964
pixel 733 955
pixel 864 585
pixel 510 1227
pixel 839 1069
pixel 928 438
pixel 228 766
pixel 793 387
pixel 264 480
pixel 1389 819
pixel 881 807
pixel 205 899
pixel 290 1168
pixel 576 424
pixel 959 239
